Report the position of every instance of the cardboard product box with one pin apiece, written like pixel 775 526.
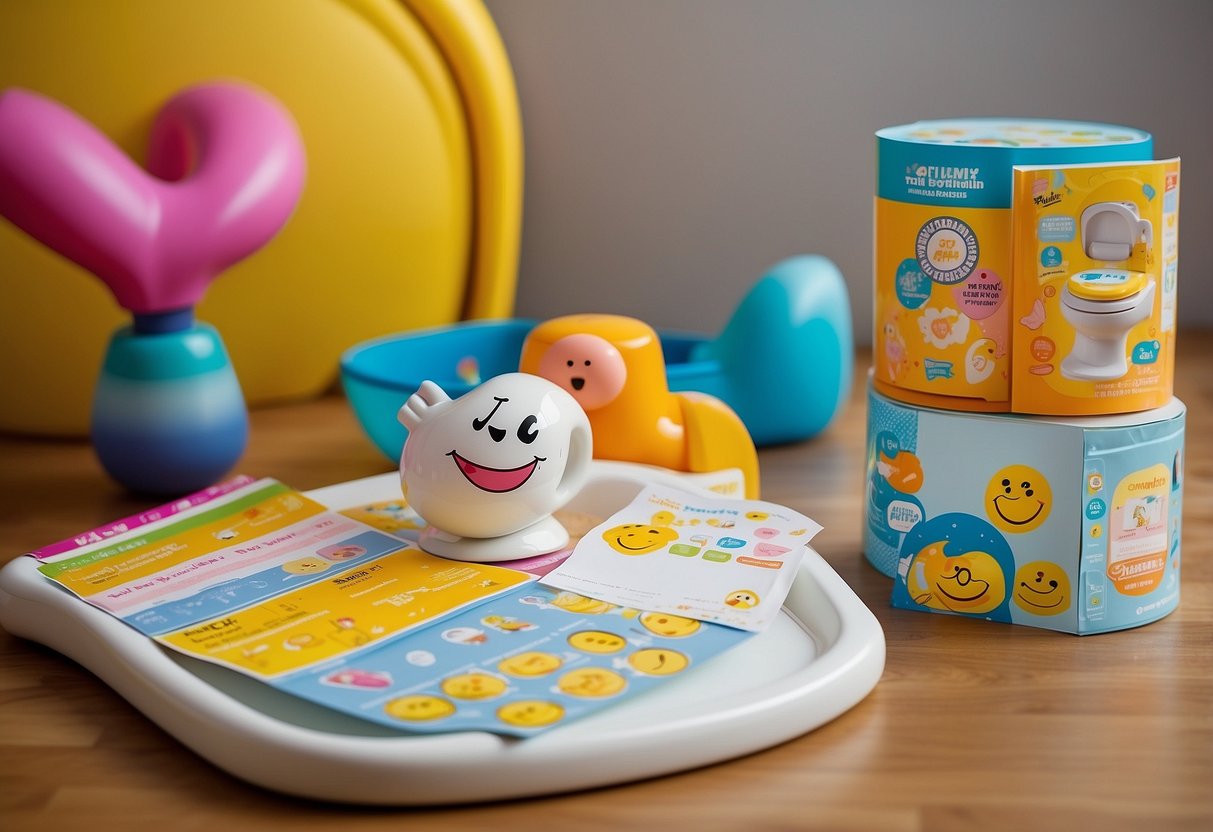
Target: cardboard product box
pixel 1065 524
pixel 949 261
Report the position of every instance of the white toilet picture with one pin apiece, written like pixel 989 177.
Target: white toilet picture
pixel 1104 304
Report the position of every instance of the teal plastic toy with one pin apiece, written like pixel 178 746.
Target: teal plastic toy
pixel 225 169
pixel 783 362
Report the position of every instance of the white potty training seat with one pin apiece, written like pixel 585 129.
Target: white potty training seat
pixel 1103 305
pixel 1110 231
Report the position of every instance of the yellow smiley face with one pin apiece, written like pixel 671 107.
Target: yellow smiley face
pixel 591 683
pixel 971 582
pixel 597 641
pixel 306 566
pixel 419 708
pixel 638 538
pixel 530 713
pixel 572 602
pixel 1042 588
pixel 670 626
pixel 658 661
pixel 530 664
pixel 1018 499
pixel 474 686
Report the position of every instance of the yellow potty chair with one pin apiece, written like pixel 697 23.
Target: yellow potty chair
pixel 410 216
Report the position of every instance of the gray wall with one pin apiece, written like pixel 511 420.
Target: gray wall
pixel 677 148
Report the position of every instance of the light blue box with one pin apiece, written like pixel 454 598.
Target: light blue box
pixel 1066 524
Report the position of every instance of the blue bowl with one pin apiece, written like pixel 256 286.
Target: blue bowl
pixel 783 362
pixel 380 375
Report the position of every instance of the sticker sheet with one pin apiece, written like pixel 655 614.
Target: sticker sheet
pixel 711 559
pixel 520 664
pixel 262 580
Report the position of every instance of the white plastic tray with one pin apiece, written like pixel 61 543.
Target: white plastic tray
pixel 822 656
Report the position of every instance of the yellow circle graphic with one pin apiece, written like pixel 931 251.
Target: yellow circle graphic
pixel 658 661
pixel 1042 588
pixel 419 708
pixel 591 683
pixel 474 686
pixel 1018 499
pixel 670 626
pixel 530 664
pixel 530 713
pixel 597 641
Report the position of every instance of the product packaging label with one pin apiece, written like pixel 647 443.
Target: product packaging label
pixel 1096 261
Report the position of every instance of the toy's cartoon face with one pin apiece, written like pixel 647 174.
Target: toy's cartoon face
pixel 972 582
pixel 639 538
pixel 590 368
pixel 1042 588
pixel 496 460
pixel 1018 499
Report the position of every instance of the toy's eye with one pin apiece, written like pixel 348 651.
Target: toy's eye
pixel 528 431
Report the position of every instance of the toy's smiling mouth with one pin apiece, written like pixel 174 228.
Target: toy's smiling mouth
pixel 495 480
pixel 578 382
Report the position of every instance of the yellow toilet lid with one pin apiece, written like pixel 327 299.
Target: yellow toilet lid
pixel 1107 284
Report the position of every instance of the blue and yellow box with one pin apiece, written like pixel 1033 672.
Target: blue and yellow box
pixel 1066 524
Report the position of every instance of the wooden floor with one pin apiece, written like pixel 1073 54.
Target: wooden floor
pixel 973 726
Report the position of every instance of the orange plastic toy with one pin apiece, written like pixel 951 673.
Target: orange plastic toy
pixel 614 367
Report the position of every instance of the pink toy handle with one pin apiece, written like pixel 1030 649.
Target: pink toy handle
pixel 225 169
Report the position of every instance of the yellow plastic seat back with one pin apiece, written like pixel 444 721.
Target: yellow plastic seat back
pixel 410 215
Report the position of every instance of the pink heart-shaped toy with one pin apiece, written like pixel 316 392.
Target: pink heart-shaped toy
pixel 225 169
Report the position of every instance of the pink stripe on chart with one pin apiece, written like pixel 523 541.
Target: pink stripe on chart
pixel 218 566
pixel 145 518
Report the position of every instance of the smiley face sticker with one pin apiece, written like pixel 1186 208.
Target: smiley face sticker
pixel 1042 588
pixel 641 538
pixel 530 713
pixel 1018 499
pixel 419 708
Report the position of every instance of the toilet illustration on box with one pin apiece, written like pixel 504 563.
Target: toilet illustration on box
pixel 1104 304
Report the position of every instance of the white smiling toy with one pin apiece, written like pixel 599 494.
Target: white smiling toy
pixel 487 470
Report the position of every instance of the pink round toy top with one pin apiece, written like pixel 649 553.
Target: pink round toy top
pixel 225 169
